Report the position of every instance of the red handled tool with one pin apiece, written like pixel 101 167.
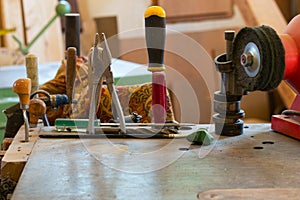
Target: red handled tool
pixel 155 23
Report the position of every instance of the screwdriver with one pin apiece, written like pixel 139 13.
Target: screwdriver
pixel 155 30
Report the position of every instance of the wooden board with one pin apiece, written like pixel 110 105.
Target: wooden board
pixel 158 169
pixel 16 156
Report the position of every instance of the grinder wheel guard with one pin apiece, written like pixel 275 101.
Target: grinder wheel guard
pixel 258 59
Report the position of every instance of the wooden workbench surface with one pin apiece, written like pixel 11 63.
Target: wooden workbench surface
pixel 259 162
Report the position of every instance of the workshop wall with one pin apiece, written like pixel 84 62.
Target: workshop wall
pixel 28 17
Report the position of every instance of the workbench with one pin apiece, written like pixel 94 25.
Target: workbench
pixel 260 164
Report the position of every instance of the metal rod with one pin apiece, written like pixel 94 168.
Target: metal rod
pixel 26 126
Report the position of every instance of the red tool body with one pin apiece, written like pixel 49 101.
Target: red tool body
pixel 155 23
pixel 288 123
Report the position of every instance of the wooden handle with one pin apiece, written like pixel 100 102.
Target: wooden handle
pixel 37 108
pixel 155 22
pixel 32 71
pixel 70 72
pixel 22 87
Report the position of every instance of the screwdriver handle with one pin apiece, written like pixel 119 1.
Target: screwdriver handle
pixel 155 25
pixel 22 87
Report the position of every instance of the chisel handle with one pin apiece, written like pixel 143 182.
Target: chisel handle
pixel 155 25
pixel 22 87
pixel 32 71
pixel 70 72
pixel 37 108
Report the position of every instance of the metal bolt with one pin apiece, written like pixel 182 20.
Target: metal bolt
pixel 247 59
pixel 229 37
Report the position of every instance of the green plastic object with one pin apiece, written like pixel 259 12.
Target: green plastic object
pixel 62 8
pixel 62 123
pixel 201 137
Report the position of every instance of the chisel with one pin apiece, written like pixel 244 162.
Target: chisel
pixel 155 30
pixel 22 87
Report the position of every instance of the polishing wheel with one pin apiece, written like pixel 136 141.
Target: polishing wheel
pixel 258 58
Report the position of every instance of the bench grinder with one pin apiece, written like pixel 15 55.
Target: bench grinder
pixel 257 58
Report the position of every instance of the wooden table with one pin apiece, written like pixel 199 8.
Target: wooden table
pixel 260 164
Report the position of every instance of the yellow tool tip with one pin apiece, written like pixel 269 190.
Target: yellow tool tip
pixel 155 10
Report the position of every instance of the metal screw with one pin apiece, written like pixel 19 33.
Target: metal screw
pixel 247 59
pixel 229 37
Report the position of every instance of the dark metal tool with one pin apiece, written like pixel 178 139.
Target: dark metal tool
pixel 72 35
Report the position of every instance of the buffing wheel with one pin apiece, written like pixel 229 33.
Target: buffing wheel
pixel 258 58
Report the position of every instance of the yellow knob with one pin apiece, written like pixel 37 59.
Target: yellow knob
pixel 155 10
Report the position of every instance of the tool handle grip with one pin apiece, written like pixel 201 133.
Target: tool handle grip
pixel 37 108
pixel 32 71
pixel 155 25
pixel 70 72
pixel 73 31
pixel 22 87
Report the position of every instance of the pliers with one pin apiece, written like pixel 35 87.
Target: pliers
pixel 100 62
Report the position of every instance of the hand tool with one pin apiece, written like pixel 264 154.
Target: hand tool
pixel 70 73
pixel 53 100
pixel 31 62
pixel 72 34
pixel 22 88
pixel 14 114
pixel 36 110
pixel 116 105
pixel 95 73
pixel 61 9
pixel 70 124
pixel 155 22
pixel 77 127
